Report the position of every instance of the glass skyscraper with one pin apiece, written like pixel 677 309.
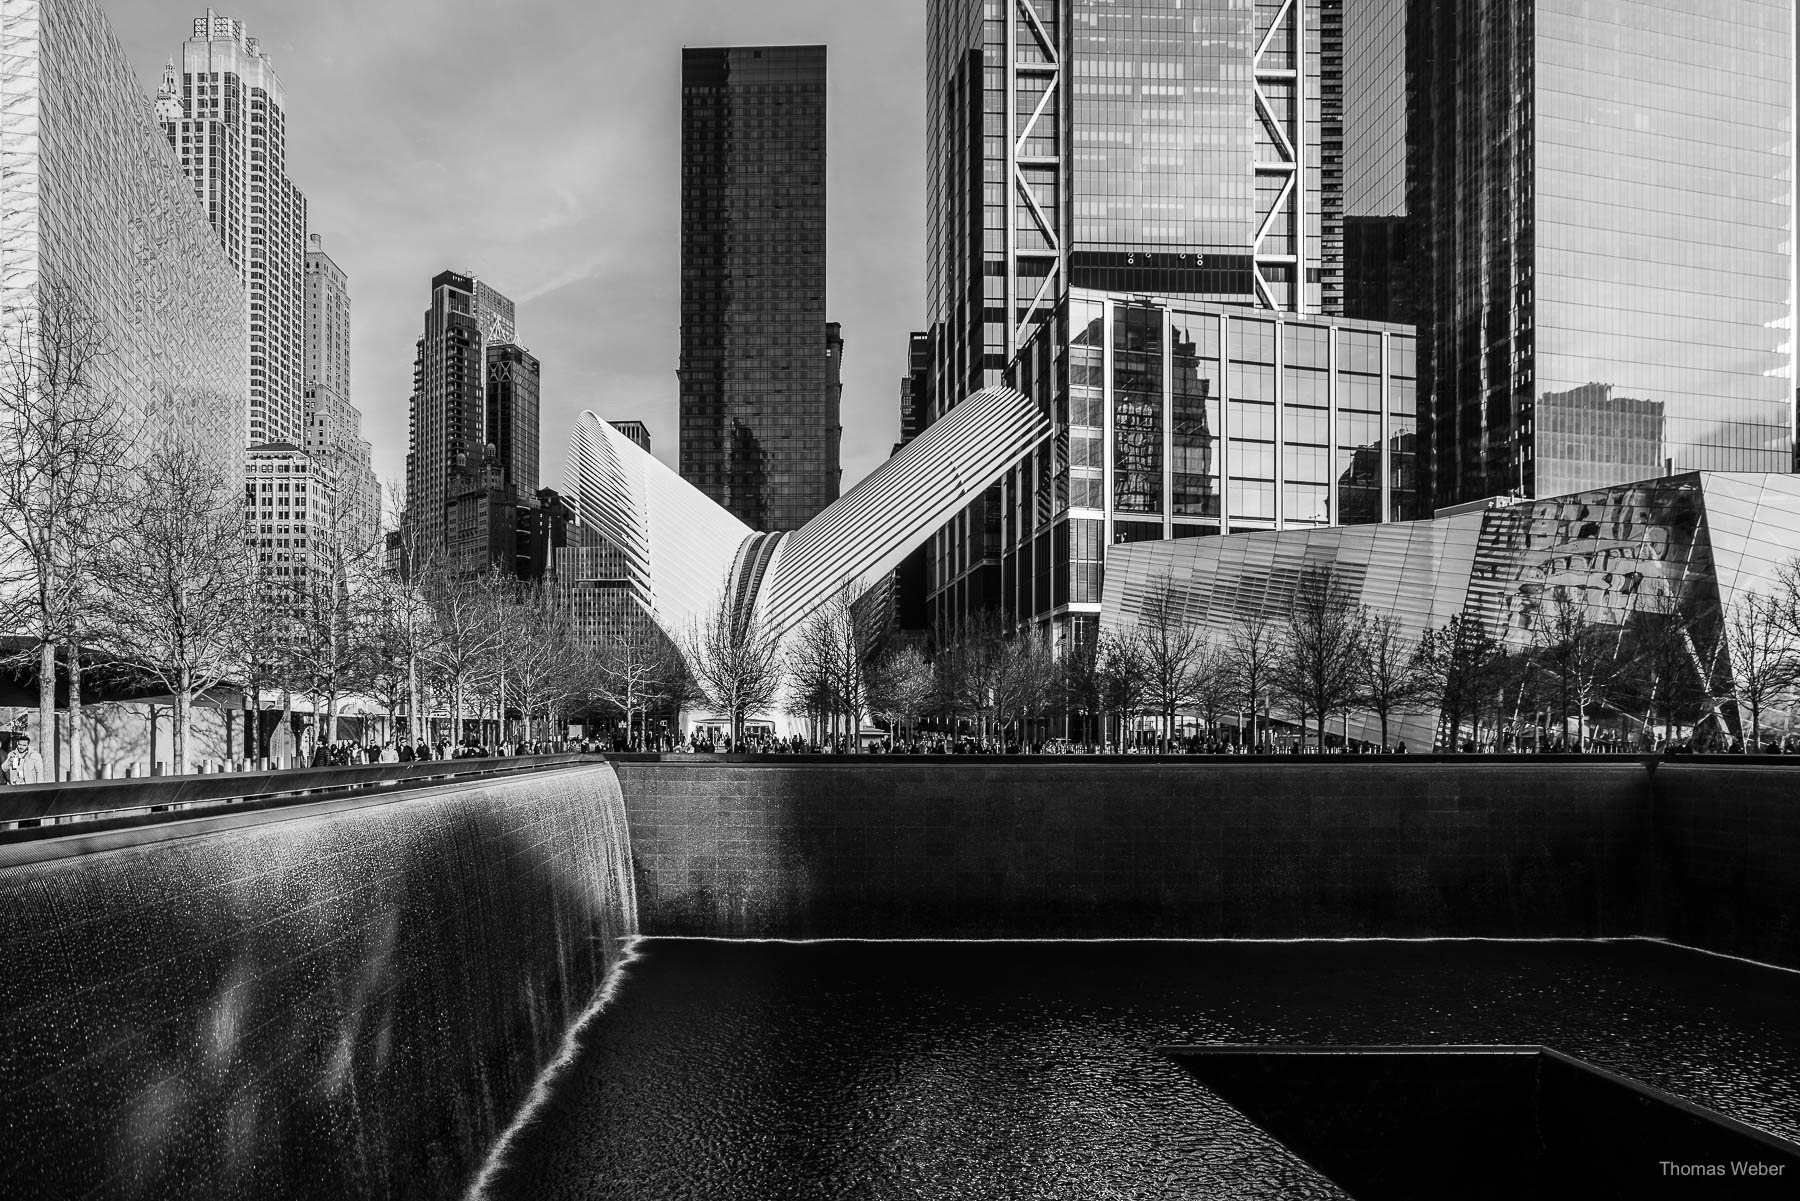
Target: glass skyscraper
pixel 1602 198
pixel 759 426
pixel 93 201
pixel 1179 418
pixel 1185 149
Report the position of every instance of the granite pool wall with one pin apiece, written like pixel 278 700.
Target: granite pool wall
pixel 347 998
pixel 1190 848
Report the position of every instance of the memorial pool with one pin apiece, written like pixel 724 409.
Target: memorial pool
pixel 1031 1069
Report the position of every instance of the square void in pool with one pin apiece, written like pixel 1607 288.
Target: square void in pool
pixel 1422 1123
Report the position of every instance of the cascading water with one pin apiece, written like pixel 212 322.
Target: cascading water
pixel 345 999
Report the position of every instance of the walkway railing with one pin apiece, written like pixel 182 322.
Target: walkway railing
pixel 29 810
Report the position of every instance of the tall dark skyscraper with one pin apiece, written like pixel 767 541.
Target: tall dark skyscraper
pixel 452 420
pixel 1601 193
pixel 759 366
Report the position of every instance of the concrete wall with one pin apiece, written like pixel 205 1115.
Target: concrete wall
pixel 1197 848
pixel 345 999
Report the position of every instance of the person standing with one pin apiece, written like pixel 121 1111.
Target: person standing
pixel 22 765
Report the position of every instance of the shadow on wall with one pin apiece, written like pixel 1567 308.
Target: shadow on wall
pixel 336 1004
pixel 1197 849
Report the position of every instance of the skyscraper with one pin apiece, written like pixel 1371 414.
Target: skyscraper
pixel 1602 199
pixel 93 204
pixel 512 416
pixel 448 430
pixel 333 424
pixel 224 113
pixel 759 397
pixel 1186 149
pixel 1179 147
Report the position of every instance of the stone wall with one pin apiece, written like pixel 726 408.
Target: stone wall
pixel 1728 841
pixel 1047 848
pixel 345 999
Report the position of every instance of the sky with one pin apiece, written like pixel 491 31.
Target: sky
pixel 537 144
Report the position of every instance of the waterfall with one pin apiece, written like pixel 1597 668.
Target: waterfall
pixel 343 998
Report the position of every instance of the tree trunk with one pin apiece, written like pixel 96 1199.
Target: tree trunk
pixel 184 712
pixel 46 731
pixel 413 728
pixel 76 768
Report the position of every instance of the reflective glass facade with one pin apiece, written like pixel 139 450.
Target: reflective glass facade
pixel 1692 543
pixel 91 196
pixel 1182 419
pixel 1603 194
pixel 759 395
pixel 1189 148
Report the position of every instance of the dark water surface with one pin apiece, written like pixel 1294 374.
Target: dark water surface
pixel 1030 1070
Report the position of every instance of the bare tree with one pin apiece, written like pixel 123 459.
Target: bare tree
pixel 1121 679
pixel 1762 658
pixel 1579 654
pixel 537 635
pixel 1169 649
pixel 182 580
pixel 62 447
pixel 830 656
pixel 1319 649
pixel 1079 683
pixel 900 688
pixel 1023 680
pixel 335 561
pixel 1252 650
pixel 1461 662
pixel 1213 693
pixel 462 637
pixel 1391 673
pixel 633 666
pixel 737 662
pixel 1659 676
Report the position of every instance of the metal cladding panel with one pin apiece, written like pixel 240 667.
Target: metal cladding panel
pixel 680 545
pixel 1753 524
pixel 866 533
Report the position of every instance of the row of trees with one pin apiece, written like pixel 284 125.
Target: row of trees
pixel 141 560
pixel 1323 658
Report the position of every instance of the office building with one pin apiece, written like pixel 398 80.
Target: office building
pixel 1178 418
pixel 637 431
pixel 1178 148
pixel 448 432
pixel 759 428
pixel 512 416
pixel 224 113
pixel 915 388
pixel 1182 149
pixel 1625 557
pixel 1602 203
pixel 289 507
pixel 94 207
pixel 333 424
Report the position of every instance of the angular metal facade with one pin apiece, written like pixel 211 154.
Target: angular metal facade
pixel 1697 543
pixel 91 196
